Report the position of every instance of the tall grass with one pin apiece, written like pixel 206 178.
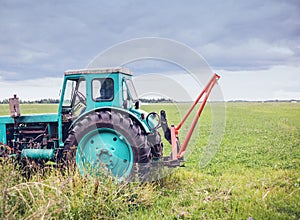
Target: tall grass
pixel 69 197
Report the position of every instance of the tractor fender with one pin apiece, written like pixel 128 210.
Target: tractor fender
pixel 132 115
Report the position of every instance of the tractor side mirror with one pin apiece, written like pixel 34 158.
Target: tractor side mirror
pixel 153 120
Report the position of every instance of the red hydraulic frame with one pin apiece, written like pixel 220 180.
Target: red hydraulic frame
pixel 175 129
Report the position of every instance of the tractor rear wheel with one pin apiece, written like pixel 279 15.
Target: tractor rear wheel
pixel 111 143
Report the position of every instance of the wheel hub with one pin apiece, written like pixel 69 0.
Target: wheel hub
pixel 104 149
pixel 107 158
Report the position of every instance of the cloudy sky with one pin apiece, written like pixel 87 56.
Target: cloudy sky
pixel 254 45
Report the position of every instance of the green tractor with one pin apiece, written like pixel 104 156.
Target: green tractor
pixel 99 127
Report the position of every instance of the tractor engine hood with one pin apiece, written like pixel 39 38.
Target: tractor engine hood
pixel 30 118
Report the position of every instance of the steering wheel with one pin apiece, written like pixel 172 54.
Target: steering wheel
pixel 80 96
pixel 79 105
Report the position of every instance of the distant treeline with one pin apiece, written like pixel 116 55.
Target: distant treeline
pixel 41 101
pixel 160 100
pixel 275 100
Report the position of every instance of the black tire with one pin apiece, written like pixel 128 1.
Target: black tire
pixel 154 140
pixel 123 124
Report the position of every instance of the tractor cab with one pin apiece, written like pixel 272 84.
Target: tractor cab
pixel 85 90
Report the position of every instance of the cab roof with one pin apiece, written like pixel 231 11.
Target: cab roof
pixel 99 71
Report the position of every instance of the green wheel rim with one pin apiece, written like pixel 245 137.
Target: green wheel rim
pixel 104 151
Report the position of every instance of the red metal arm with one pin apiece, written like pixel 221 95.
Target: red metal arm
pixel 205 91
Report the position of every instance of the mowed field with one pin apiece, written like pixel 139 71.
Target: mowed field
pixel 255 174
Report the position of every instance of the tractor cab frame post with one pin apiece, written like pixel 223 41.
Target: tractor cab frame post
pixel 177 153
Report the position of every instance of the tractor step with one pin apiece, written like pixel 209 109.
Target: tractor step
pixel 167 161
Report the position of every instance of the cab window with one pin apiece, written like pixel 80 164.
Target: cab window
pixel 69 90
pixel 75 96
pixel 131 90
pixel 103 89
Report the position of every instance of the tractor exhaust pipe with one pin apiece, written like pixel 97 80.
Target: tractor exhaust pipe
pixel 14 107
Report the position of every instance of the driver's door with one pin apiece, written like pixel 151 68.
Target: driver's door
pixel 74 102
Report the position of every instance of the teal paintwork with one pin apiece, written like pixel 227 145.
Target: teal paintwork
pixel 6 120
pixel 91 104
pixel 3 133
pixel 141 115
pixel 104 151
pixel 46 154
pixel 30 118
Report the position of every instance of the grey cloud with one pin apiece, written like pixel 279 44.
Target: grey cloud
pixel 48 37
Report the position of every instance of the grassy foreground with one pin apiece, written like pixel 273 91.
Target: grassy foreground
pixel 254 175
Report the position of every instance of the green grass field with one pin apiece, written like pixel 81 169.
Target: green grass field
pixel 254 175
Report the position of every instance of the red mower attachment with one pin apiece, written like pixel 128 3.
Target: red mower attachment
pixel 171 134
